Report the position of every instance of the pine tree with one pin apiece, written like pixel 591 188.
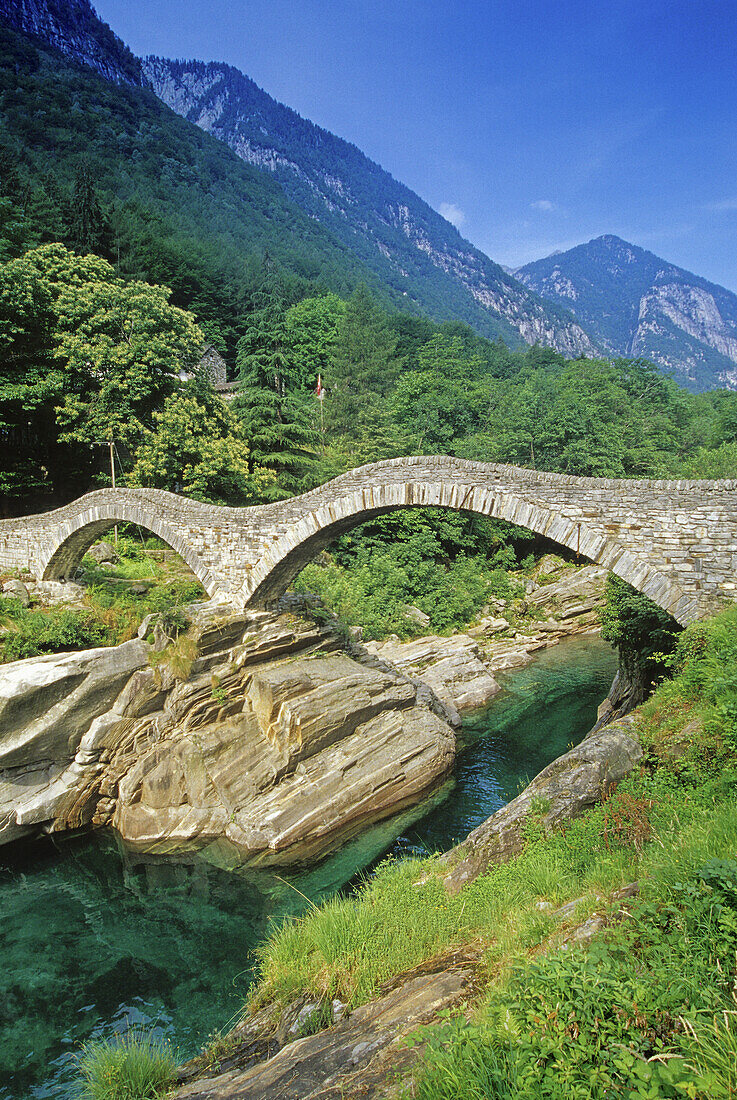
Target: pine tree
pixel 273 407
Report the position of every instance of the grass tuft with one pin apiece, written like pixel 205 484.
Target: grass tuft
pixel 138 1066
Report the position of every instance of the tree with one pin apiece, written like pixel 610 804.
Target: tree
pixel 89 228
pixel 86 356
pixel 364 364
pixel 272 405
pixel 199 448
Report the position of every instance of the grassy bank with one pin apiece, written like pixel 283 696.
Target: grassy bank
pixel 117 597
pixel 648 1009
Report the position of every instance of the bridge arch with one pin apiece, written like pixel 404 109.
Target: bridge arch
pixel 283 559
pixel 82 529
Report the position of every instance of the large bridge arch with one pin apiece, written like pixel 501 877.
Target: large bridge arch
pixel 284 559
pixel 85 526
pixel 676 541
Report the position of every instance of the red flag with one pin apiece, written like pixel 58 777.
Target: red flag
pixel 320 390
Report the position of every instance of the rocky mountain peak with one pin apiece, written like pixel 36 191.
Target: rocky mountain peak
pixel 74 28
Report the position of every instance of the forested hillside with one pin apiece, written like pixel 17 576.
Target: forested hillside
pixel 108 168
pixel 408 244
pixel 634 303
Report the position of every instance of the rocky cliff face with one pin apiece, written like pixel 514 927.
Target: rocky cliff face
pixel 636 304
pixel 414 249
pixel 73 27
pixel 275 748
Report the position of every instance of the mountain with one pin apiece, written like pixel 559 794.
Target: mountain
pixel 409 245
pixel 73 27
pixel 183 209
pixel 636 304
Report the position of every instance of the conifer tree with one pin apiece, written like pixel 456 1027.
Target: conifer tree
pixel 274 408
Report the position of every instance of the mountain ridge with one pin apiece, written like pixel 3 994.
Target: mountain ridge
pixel 388 225
pixel 75 29
pixel 637 304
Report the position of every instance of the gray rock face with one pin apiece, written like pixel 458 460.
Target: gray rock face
pixel 560 792
pixel 452 667
pixel 575 596
pixel 47 707
pixel 16 590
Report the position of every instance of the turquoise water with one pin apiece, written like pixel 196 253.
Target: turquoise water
pixel 90 943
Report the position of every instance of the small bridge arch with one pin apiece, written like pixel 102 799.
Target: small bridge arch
pixel 88 524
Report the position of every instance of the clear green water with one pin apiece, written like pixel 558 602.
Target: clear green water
pixel 90 944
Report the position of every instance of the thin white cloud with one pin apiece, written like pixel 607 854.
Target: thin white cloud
pixel 542 204
pixel 452 214
pixel 722 207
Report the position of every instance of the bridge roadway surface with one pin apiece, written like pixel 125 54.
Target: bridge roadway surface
pixel 676 541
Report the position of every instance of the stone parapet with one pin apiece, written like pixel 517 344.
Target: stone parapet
pixel 674 540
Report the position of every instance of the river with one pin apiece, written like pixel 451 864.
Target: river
pixel 90 943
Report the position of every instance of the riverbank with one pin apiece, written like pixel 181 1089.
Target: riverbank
pixel 593 961
pixel 168 945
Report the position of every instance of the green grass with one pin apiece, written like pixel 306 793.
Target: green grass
pixel 648 1010
pixel 137 1066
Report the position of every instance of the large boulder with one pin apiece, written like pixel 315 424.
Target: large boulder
pixel 573 598
pixel 16 590
pixel 104 553
pixel 47 706
pixel 451 666
pixel 560 792
pixel 259 742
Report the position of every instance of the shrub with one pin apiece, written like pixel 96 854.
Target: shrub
pixel 137 1066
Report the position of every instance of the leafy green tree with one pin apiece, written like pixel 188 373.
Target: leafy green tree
pixel 199 448
pixel 443 400
pixel 312 332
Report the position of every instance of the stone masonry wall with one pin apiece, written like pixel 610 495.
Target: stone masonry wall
pixel 674 540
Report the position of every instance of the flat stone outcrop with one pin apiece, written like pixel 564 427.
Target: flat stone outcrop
pixel 452 667
pixel 256 740
pixel 561 791
pixel 359 1056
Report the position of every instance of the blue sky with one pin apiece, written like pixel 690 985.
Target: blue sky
pixel 533 124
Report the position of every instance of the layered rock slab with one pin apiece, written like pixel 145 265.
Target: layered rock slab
pixel 451 667
pixel 274 748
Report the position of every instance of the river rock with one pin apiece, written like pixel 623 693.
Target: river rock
pixel 560 792
pixel 303 754
pixel 16 590
pixel 451 666
pixel 256 738
pixel 50 593
pixel 358 1057
pixel 104 553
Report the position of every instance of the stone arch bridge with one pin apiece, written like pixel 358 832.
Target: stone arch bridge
pixel 676 541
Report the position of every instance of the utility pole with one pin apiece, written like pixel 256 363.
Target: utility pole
pixel 111 444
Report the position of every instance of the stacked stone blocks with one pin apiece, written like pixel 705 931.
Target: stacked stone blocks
pixel 674 540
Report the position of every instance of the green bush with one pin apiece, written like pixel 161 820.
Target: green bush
pixel 138 1066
